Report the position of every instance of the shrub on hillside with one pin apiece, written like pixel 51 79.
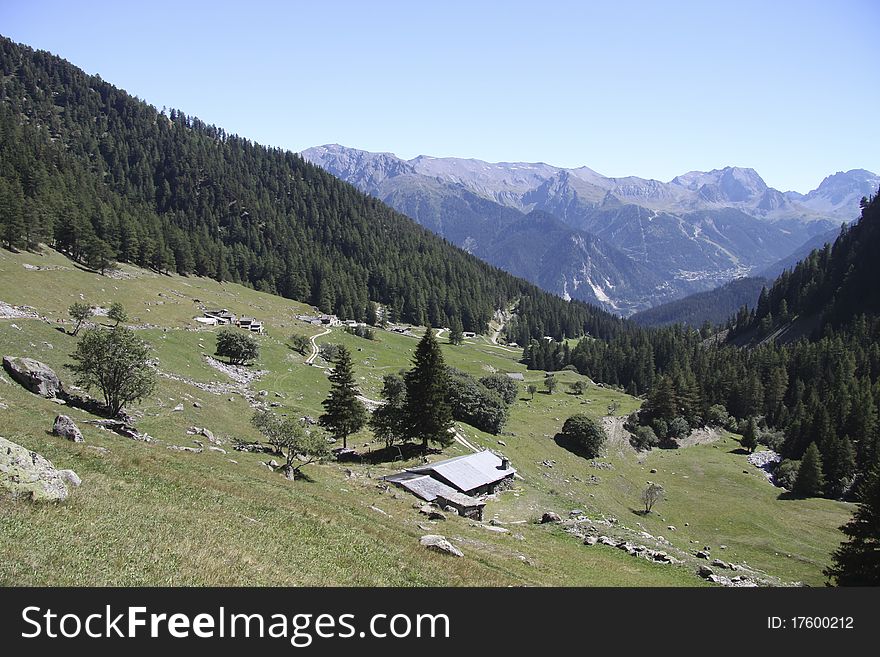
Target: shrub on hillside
pixel 582 435
pixel 502 385
pixel 643 439
pixel 786 473
pixel 237 345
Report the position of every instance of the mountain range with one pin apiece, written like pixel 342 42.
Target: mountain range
pixel 626 244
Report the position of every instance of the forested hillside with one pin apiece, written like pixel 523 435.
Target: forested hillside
pixel 104 176
pixel 713 306
pixel 822 388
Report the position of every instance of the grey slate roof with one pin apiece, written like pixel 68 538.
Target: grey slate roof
pixel 469 471
pixel 429 489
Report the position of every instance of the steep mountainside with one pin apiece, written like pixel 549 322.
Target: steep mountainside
pixel 695 232
pixel 832 288
pixel 713 306
pixel 103 176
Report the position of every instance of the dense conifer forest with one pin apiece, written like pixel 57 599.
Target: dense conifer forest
pixel 104 177
pixel 805 363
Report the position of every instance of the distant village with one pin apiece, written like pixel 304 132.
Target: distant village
pixel 226 318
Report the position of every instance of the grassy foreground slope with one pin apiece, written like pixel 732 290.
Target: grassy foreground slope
pixel 146 515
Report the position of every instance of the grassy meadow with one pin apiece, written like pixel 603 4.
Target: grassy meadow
pixel 146 515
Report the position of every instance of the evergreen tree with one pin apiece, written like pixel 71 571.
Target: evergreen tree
pixel 456 332
pixel 857 561
pixel 810 480
pixel 428 414
pixel 12 222
pixel 840 464
pixel 388 422
pixel 345 413
pixel 750 435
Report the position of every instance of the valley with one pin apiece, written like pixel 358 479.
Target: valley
pixel 148 515
pixel 624 244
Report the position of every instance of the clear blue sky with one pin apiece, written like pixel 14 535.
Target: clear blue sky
pixel 652 89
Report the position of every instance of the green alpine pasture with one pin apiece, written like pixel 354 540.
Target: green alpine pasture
pixel 146 515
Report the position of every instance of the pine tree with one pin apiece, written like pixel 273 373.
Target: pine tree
pixel 857 561
pixel 456 332
pixel 839 465
pixel 810 481
pixel 388 421
pixel 345 413
pixel 750 435
pixel 428 414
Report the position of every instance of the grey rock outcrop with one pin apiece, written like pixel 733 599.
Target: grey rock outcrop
pixel 440 544
pixel 37 377
pixel 26 474
pixel 66 428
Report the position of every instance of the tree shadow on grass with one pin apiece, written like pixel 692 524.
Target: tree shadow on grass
pixel 788 495
pixel 640 512
pixel 742 451
pixel 403 452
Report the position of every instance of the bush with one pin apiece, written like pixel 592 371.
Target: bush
pixel 679 428
pixel 717 416
pixel 569 368
pixel 503 386
pixel 661 428
pixel 299 343
pixel 773 440
pixel 237 345
pixel 474 403
pixel 329 352
pixel 643 439
pixel 582 435
pixel 786 473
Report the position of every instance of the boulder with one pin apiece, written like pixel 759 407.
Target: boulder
pixel 439 544
pixel 550 516
pixel 591 540
pixel 26 474
pixel 37 377
pixel 70 477
pixel 66 428
pixel 705 572
pixel 207 433
pixel 702 555
pixel 721 564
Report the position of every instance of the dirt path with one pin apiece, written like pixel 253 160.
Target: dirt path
pixel 314 354
pixel 459 438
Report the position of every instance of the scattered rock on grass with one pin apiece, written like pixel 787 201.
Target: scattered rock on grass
pixel 438 543
pixel 37 377
pixel 29 475
pixel 66 428
pixel 550 516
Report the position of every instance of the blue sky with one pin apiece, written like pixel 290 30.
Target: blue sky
pixel 652 89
